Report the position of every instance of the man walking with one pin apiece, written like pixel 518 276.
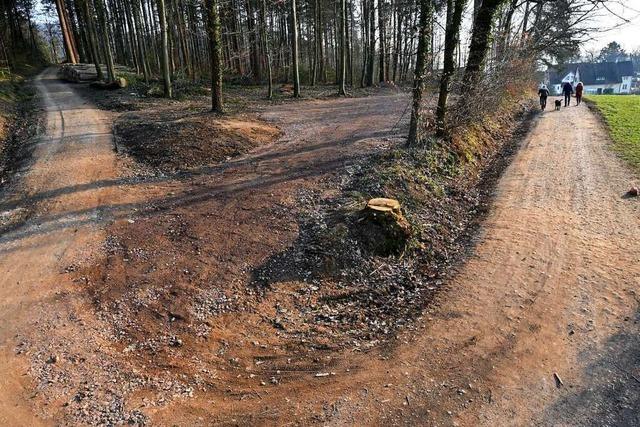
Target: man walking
pixel 567 90
pixel 543 92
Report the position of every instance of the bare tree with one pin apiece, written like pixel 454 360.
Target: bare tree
pixel 166 72
pixel 294 50
pixel 343 53
pixel 455 10
pixel 416 135
pixel 213 21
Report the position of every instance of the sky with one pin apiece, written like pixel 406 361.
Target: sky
pixel 616 29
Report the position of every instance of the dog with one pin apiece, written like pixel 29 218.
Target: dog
pixel 558 104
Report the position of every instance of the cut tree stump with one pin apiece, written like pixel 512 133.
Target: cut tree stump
pixel 384 205
pixel 383 229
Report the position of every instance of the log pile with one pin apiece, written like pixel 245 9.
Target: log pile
pixel 78 72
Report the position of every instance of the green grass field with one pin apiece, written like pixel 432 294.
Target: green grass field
pixel 622 114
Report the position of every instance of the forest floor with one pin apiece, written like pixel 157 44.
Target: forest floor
pixel 181 298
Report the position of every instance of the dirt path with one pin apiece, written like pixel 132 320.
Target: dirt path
pixel 58 195
pixel 550 287
pixel 539 327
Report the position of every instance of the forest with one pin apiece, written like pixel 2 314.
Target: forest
pixel 345 43
pixel 319 212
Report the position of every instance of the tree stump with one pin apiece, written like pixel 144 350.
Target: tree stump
pixel 383 228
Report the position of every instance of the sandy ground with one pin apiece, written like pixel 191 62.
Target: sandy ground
pixel 551 287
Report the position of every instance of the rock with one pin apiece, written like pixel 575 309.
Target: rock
pixel 52 359
pixel 175 342
pixel 633 192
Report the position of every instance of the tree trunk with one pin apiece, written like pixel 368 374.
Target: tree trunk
pixel 253 44
pixel 424 28
pixel 166 74
pixel 455 9
pixel 267 49
pixel 91 35
pixel 142 55
pixel 213 20
pixel 294 50
pixel 480 42
pixel 365 42
pixel 372 43
pixel 343 49
pixel 102 17
pixel 382 77
pixel 66 32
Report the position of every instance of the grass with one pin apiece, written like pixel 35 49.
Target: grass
pixel 622 115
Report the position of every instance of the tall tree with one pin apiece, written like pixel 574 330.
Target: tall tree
pixel 267 48
pixel 294 50
pixel 480 40
pixel 102 18
pixel 416 135
pixel 166 72
pixel 455 10
pixel 67 35
pixel 213 21
pixel 372 42
pixel 343 50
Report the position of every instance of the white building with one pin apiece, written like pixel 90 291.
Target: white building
pixel 598 78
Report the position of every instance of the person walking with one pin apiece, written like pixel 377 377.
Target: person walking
pixel 543 92
pixel 567 90
pixel 579 90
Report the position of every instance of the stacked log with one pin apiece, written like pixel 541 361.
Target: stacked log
pixel 77 73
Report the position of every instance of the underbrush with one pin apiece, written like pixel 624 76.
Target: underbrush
pixel 18 111
pixel 622 116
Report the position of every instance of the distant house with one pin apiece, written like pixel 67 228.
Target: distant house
pixel 598 78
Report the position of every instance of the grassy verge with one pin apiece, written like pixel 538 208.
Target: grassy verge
pixel 622 115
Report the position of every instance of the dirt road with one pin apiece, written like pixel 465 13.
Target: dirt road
pixel 551 287
pixel 539 327
pixel 59 195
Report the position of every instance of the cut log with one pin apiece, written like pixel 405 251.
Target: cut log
pixel 384 205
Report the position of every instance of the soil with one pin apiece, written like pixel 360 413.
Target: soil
pixel 180 137
pixel 133 299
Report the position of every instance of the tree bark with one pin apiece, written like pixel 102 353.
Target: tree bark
pixel 455 9
pixel 166 74
pixel 343 50
pixel 294 50
pixel 480 42
pixel 424 28
pixel 213 20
